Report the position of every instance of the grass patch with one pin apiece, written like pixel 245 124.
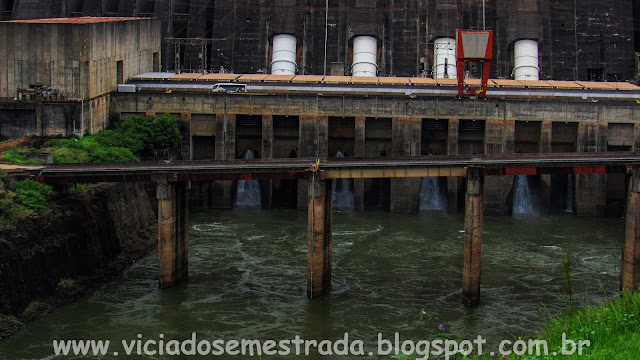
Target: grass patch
pixel 66 284
pixel 9 325
pixel 22 199
pixel 14 157
pixel 33 309
pixel 613 330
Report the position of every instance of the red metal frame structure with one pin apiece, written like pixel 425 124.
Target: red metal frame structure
pixel 474 45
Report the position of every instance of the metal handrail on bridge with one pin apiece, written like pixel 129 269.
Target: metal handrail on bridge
pixel 331 168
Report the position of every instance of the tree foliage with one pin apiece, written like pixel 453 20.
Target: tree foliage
pixel 134 135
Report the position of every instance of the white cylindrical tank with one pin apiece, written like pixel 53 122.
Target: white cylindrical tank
pixel 365 56
pixel 444 56
pixel 284 55
pixel 525 53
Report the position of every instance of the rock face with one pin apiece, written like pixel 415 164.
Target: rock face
pixel 89 240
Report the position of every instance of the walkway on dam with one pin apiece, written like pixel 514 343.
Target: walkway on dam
pixel 353 168
pixel 172 181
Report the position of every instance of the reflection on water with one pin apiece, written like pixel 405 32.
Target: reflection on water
pixel 248 278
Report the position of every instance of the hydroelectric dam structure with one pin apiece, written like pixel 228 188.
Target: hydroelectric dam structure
pixel 173 179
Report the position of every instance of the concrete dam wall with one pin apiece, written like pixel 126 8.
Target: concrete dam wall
pixel 585 40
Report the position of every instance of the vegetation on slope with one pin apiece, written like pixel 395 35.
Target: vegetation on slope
pixel 21 199
pixel 135 137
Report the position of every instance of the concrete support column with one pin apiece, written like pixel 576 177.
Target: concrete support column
pixel 359 151
pixel 267 153
pixel 591 189
pixel 173 239
pixel 636 137
pixel 313 142
pixel 499 139
pixel 225 150
pixel 406 141
pixel 545 180
pixel 452 182
pixel 631 252
pixel 186 146
pixel 319 236
pixel 472 237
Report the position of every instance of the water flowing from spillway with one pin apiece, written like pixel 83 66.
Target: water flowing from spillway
pixel 523 197
pixel 432 197
pixel 248 191
pixel 343 198
pixel 248 278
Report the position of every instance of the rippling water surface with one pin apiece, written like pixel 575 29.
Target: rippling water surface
pixel 248 277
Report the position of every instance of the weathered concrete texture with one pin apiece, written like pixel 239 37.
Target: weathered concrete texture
pixel 359 151
pixel 499 140
pixel 453 183
pixel 576 40
pixel 225 148
pixel 473 223
pixel 631 251
pixel 24 118
pixel 78 60
pixel 381 107
pixel 173 231
pixel 406 141
pixel 319 236
pixel 591 190
pixel 313 143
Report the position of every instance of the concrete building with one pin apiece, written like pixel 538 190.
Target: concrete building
pixel 579 40
pixel 61 71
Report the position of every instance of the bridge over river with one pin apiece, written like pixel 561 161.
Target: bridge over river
pixel 173 178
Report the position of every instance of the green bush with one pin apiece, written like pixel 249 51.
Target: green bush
pixel 64 155
pixel 33 195
pixel 13 157
pixel 111 138
pixel 111 154
pixel 138 133
pixel 66 284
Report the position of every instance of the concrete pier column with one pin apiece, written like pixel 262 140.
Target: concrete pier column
pixel 173 239
pixel 359 151
pixel 406 140
pixel 319 236
pixel 631 251
pixel 499 139
pixel 452 182
pixel 223 190
pixel 313 143
pixel 545 179
pixel 267 153
pixel 591 189
pixel 473 222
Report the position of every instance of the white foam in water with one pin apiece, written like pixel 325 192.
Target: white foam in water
pixel 343 197
pixel 432 197
pixel 523 199
pixel 248 191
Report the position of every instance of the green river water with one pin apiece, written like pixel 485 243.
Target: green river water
pixel 248 276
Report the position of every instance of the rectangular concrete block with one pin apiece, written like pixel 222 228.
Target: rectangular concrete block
pixel 173 238
pixel 319 247
pixel 473 227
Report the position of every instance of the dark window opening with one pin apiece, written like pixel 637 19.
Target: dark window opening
pixel 156 62
pixel 120 72
pixel 595 74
